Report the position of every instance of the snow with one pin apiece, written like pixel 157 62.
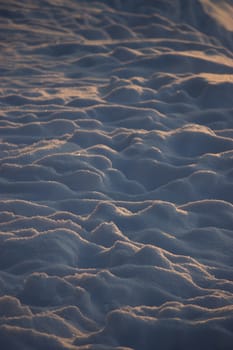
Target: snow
pixel 116 157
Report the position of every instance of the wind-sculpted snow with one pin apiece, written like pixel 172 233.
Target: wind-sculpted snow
pixel 116 175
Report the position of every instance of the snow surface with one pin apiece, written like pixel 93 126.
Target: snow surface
pixel 116 170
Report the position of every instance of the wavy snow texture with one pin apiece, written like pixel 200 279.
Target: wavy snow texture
pixel 116 205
